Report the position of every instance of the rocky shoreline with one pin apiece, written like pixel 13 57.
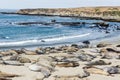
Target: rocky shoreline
pixel 73 62
pixel 102 13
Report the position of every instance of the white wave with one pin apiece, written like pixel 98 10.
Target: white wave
pixel 17 43
pixel 43 41
pixel 66 37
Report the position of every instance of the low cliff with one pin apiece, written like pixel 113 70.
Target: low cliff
pixel 111 13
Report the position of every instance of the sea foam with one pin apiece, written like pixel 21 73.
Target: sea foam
pixel 43 41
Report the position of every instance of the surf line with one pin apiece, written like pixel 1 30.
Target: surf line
pixel 65 37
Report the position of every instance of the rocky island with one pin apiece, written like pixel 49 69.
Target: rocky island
pixel 105 13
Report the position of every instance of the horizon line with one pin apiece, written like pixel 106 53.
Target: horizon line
pixel 59 7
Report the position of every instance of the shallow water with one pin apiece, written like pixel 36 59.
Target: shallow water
pixel 13 35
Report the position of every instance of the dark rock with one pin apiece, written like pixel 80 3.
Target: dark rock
pixel 53 21
pixel 50 23
pixel 118 28
pixel 42 41
pixel 107 31
pixel 86 42
pixel 102 24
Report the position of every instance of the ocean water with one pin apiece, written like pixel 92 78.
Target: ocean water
pixel 13 35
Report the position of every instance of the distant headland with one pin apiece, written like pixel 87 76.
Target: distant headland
pixel 108 13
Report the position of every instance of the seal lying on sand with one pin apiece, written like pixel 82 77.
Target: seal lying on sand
pixel 95 70
pixel 3 74
pixel 35 67
pixel 68 64
pixel 7 76
pixel 39 68
pixel 14 63
pixel 112 70
pixel 99 62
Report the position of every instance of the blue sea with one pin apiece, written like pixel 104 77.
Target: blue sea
pixel 13 35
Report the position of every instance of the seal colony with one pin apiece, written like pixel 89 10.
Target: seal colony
pixel 71 62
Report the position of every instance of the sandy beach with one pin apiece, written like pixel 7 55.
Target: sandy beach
pixel 71 62
pixel 39 44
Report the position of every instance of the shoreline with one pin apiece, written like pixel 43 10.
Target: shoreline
pixel 93 43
